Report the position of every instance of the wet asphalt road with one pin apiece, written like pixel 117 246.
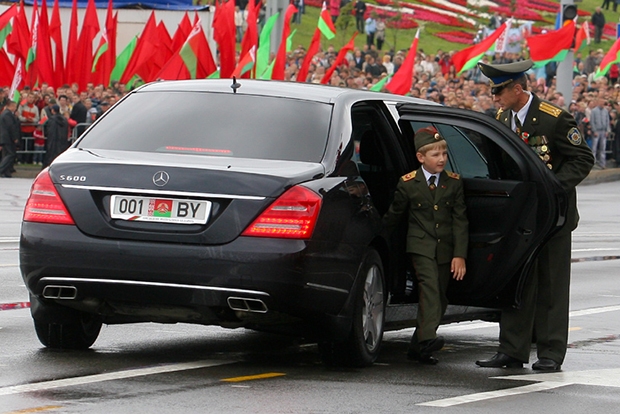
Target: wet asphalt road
pixel 185 368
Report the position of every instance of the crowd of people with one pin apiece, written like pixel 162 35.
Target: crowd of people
pixel 595 102
pixel 42 123
pixel 434 78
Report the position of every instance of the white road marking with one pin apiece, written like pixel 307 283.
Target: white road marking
pixel 467 326
pixel 548 381
pixel 465 399
pixel 611 249
pixel 599 377
pixel 9 265
pixel 594 311
pixel 89 379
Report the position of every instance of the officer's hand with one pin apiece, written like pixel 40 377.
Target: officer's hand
pixel 457 268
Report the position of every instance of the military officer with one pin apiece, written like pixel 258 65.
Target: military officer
pixel 551 132
pixel 437 235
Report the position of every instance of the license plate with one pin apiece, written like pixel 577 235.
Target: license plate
pixel 166 210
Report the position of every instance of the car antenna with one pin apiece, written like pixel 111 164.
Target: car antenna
pixel 235 85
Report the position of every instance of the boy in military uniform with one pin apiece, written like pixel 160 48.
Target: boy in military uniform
pixel 437 235
pixel 552 133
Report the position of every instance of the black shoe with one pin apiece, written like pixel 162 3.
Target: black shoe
pixel 432 345
pixel 424 350
pixel 500 360
pixel 6 175
pixel 546 364
pixel 428 360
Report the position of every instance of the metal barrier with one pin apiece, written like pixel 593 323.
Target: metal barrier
pixel 28 141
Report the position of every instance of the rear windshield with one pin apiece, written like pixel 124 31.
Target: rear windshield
pixel 215 124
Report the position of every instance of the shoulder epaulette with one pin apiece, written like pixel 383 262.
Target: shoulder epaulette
pixel 499 113
pixel 453 175
pixel 550 109
pixel 409 176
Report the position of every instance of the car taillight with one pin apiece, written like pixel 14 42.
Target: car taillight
pixel 44 204
pixel 293 215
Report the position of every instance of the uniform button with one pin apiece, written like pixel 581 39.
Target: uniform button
pixel 436 207
pixel 419 205
pixel 438 240
pixel 437 225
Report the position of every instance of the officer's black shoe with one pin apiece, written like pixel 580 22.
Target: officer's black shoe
pixel 546 364
pixel 500 360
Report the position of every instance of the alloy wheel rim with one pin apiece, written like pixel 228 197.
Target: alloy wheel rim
pixel 372 312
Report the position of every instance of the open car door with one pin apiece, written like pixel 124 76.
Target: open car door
pixel 514 203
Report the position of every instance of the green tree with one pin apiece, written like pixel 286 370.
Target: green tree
pixel 345 19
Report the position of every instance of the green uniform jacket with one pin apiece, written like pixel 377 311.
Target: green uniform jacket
pixel 568 155
pixel 437 225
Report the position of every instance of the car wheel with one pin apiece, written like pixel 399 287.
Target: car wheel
pixel 78 334
pixel 362 346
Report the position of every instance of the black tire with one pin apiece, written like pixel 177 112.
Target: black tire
pixel 80 333
pixel 362 347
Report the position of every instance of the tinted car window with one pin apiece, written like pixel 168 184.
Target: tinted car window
pixel 215 124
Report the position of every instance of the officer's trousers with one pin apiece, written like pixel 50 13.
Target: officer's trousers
pixel 544 308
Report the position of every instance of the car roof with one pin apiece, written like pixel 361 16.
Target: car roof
pixel 295 90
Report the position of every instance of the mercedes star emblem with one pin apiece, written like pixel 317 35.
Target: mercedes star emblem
pixel 161 178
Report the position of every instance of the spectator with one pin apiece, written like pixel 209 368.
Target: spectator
pixel 239 22
pixel 10 135
pixel 370 29
pixel 57 132
pixel 387 63
pixel 28 114
pixel 334 9
pixel 380 34
pixel 600 122
pixel 79 111
pixel 598 21
pixel 360 10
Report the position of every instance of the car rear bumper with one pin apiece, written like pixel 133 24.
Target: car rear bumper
pixel 260 283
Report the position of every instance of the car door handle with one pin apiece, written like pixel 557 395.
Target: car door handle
pixel 525 232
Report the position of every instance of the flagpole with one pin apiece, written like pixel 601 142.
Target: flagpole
pixel 564 73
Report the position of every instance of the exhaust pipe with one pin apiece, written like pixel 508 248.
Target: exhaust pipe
pixel 247 305
pixel 59 292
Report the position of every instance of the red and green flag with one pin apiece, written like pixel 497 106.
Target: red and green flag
pixel 326 26
pixel 378 87
pixel 105 55
pixel 5 22
pixel 340 59
pixel 18 80
pixel 403 79
pixel 612 57
pixel 552 46
pixel 193 61
pixel 140 62
pixel 32 50
pixel 582 38
pixel 246 63
pixel 469 57
pixel 250 37
pixel 122 60
pixel 18 41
